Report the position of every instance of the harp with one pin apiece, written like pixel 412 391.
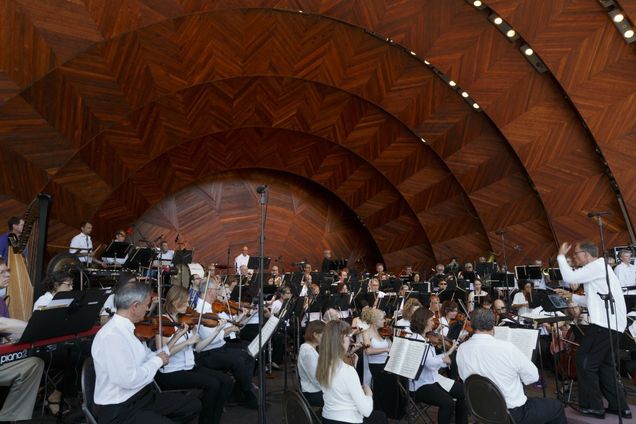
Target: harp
pixel 32 240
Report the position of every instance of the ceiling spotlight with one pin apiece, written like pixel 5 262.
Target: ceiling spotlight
pixel 426 62
pixel 464 94
pixel 413 53
pixel 510 33
pixel 528 51
pixel 498 20
pixel 629 33
pixel 452 83
pixel 477 3
pixel 618 17
pixel 532 57
pixel 622 24
pixel 423 140
pixel 475 106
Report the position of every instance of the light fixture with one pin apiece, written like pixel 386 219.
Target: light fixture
pixel 477 4
pixel 464 94
pixel 423 140
pixel 452 83
pixel 413 53
pixel 426 62
pixel 622 24
pixel 503 27
pixel 475 106
pixel 532 57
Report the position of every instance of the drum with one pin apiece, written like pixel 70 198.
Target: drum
pixel 185 273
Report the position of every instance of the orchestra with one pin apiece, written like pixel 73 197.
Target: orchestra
pixel 200 325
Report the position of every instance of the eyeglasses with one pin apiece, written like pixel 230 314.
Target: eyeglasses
pixel 579 251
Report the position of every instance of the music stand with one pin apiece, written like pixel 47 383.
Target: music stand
pixel 182 257
pixel 78 311
pixel 117 250
pixel 551 302
pixel 522 272
pixel 484 268
pixel 452 294
pixel 140 256
pixel 534 272
pixel 254 262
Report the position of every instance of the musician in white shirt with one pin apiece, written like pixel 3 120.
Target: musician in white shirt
pixel 426 388
pixel 625 271
pixel 165 255
pixel 507 367
pixel 593 358
pixel 54 283
pixel 125 368
pixel 345 400
pixel 241 259
pixel 22 376
pixel 221 356
pixel 308 362
pixel 82 245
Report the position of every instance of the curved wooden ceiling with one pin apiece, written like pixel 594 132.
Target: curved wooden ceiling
pixel 114 105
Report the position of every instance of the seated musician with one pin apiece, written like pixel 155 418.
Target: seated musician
pixel 274 279
pixel 182 373
pixel 54 283
pixel 345 401
pixel 427 388
pixel 125 368
pixel 224 357
pixel 22 376
pixel 450 310
pixel 521 300
pixel 67 360
pixel 330 315
pixel 504 364
pixel 281 299
pixel 380 274
pixel 439 275
pixel 165 255
pixel 487 303
pixel 475 295
pixel 442 285
pixel 434 305
pixel 411 305
pixel 308 361
pixel 82 245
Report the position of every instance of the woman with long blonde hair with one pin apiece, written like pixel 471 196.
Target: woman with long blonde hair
pixel 345 400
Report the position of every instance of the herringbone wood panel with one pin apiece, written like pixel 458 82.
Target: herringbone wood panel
pixel 169 73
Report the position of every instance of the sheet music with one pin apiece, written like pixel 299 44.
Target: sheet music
pixel 524 339
pixel 266 334
pixel 445 382
pixel 405 357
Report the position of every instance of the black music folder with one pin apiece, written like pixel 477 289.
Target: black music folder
pixel 69 312
pixel 254 262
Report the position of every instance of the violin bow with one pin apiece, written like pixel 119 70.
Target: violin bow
pixel 205 293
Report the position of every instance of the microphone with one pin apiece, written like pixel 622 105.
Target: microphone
pixel 261 189
pixel 176 239
pixel 500 232
pixel 600 213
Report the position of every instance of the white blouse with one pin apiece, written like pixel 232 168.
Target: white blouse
pixel 307 364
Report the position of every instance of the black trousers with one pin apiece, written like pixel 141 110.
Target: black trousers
pixel 236 361
pixel 434 394
pixel 148 406
pixel 539 411
pixel 376 417
pixel 387 396
pixel 314 399
pixel 596 375
pixel 216 387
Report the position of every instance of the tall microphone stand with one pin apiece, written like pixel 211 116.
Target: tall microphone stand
pixel 609 301
pixel 502 233
pixel 262 190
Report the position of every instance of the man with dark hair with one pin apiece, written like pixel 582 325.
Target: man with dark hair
pixel 15 226
pixel 507 367
pixel 125 368
pixel 596 375
pixel 82 245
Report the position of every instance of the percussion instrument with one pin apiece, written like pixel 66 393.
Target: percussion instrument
pixel 185 273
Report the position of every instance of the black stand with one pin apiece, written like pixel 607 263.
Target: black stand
pixel 262 190
pixel 608 299
pixel 502 233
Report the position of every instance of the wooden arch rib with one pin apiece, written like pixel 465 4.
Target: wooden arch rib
pixel 595 67
pixel 450 135
pixel 371 197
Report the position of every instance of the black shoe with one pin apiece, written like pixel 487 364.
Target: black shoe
pixel 625 413
pixel 594 413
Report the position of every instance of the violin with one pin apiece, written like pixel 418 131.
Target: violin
pixel 230 307
pixel 437 341
pixel 149 328
pixel 209 319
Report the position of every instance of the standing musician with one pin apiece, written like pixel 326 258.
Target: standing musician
pixel 125 368
pixel 182 373
pixel 221 356
pixel 596 376
pixel 16 225
pixel 507 367
pixel 345 401
pixel 242 259
pixel 22 376
pixel 165 255
pixel 120 236
pixel 625 271
pixel 427 388
pixel 82 245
